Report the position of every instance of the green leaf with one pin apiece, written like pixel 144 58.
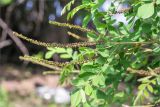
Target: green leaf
pixel 119 95
pixel 86 75
pixel 86 1
pixel 70 51
pixel 65 56
pixel 100 95
pixel 50 48
pixel 99 3
pixel 145 79
pixel 90 68
pixel 153 82
pixel 156 50
pixel 100 26
pixel 129 77
pixel 76 98
pixel 146 27
pixel 108 69
pixel 67 7
pixel 66 71
pixel 86 105
pixel 88 89
pixel 86 20
pixel 100 60
pixel 78 82
pixel 99 80
pixel 104 53
pixel 146 94
pixel 49 54
pixel 75 10
pixel 150 88
pixel 82 78
pixel 142 87
pixel 146 10
pixel 60 50
pixel 83 96
pixel 158 80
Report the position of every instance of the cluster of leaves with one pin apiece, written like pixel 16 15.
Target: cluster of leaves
pixel 99 81
pixel 105 81
pixel 64 53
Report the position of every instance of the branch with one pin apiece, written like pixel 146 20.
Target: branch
pixel 57 72
pixel 15 39
pixel 143 72
pixel 5 43
pixel 70 45
pixel 73 27
pixel 52 64
pixel 77 36
pixel 42 62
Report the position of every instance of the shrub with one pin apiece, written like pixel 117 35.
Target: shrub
pixel 117 58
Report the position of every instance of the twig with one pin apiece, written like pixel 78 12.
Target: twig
pixel 70 45
pixel 138 106
pixel 4 35
pixel 143 72
pixel 73 45
pixel 52 63
pixel 5 43
pixel 73 27
pixel 14 38
pixel 77 36
pixel 131 43
pixel 57 72
pixel 42 62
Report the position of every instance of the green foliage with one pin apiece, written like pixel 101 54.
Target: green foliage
pixel 100 79
pixel 64 53
pixel 128 55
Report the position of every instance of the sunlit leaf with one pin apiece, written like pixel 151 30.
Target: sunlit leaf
pixel 146 10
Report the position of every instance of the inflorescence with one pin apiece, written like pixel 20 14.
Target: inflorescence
pixel 73 27
pixel 143 72
pixel 50 64
pixel 69 45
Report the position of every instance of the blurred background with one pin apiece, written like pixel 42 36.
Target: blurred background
pixel 22 84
